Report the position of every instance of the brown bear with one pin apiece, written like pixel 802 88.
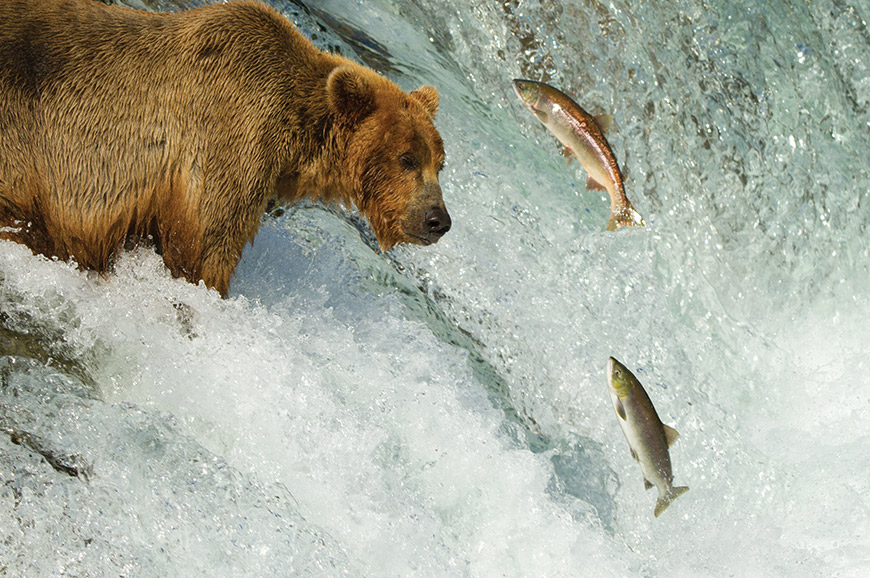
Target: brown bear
pixel 119 125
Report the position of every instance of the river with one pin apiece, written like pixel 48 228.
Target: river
pixel 443 411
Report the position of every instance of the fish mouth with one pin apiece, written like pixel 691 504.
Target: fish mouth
pixel 617 386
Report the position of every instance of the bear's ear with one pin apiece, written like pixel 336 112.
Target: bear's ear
pixel 428 97
pixel 350 95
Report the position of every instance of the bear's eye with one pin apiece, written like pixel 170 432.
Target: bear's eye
pixel 409 162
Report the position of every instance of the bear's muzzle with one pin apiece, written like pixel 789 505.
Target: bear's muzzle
pixel 436 221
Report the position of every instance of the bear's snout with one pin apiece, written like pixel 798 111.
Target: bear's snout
pixel 436 221
pixel 426 220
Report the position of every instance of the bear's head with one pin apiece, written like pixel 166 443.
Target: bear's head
pixel 393 155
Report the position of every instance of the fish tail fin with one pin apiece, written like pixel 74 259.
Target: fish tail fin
pixel 624 216
pixel 664 501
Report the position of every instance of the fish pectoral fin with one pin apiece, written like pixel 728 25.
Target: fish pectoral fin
pixel 664 501
pixel 568 154
pixel 594 185
pixel 647 484
pixel 620 411
pixel 542 116
pixel 671 435
pixel 603 121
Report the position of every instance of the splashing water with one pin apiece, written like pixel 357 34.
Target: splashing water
pixel 443 411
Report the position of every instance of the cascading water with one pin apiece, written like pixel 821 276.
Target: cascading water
pixel 443 411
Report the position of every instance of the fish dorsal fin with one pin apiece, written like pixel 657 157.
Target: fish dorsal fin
pixel 568 154
pixel 594 185
pixel 603 121
pixel 671 435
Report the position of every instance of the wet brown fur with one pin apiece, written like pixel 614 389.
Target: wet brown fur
pixel 119 125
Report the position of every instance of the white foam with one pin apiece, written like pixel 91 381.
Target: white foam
pixel 442 411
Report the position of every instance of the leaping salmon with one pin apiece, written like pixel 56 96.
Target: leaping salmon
pixel 583 136
pixel 648 438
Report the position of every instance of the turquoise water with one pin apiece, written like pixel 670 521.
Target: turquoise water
pixel 443 411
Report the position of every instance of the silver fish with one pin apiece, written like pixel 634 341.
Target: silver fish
pixel 648 438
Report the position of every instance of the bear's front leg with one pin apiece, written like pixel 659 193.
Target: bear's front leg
pixel 230 222
pixel 218 269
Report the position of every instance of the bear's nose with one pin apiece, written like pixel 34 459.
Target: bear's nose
pixel 437 221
